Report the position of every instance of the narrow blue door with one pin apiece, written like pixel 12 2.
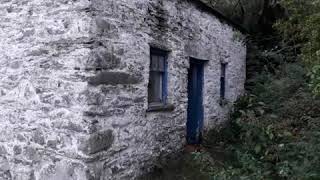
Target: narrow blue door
pixel 195 102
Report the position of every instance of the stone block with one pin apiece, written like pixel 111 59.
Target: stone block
pixel 3 150
pixel 64 170
pixel 73 127
pixel 17 150
pixel 52 144
pixel 38 137
pixel 4 164
pixel 98 142
pixel 6 175
pixel 114 78
pixel 104 25
pixel 102 59
pixel 38 52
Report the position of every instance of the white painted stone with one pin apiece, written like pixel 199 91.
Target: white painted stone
pixel 51 103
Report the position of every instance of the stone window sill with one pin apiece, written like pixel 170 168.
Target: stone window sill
pixel 160 107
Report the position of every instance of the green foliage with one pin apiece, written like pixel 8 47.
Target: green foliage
pixel 302 31
pixel 239 37
pixel 315 79
pixel 246 13
pixel 277 130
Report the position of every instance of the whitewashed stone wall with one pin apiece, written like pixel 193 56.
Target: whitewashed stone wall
pixel 73 84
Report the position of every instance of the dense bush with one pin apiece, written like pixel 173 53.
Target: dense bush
pixel 274 132
pixel 301 31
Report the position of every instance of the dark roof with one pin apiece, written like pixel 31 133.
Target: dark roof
pixel 219 15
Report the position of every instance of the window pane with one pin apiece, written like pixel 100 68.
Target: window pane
pixel 161 63
pixel 157 75
pixel 223 70
pixel 155 87
pixel 154 64
pixel 223 81
pixel 223 87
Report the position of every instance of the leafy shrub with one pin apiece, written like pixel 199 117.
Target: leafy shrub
pixel 302 33
pixel 315 79
pixel 277 130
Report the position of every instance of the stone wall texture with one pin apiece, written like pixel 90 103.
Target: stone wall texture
pixel 74 77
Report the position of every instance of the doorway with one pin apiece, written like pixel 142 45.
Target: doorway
pixel 195 101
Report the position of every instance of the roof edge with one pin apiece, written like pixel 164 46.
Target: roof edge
pixel 219 15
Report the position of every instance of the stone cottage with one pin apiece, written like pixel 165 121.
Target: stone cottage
pixel 100 89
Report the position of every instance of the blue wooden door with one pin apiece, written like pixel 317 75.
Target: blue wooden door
pixel 195 102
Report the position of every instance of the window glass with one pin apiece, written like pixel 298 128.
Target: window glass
pixel 223 81
pixel 156 87
pixel 161 64
pixel 154 63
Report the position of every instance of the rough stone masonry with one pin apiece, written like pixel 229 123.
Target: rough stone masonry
pixel 74 84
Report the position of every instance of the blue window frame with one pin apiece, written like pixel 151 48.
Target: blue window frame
pixel 157 88
pixel 223 81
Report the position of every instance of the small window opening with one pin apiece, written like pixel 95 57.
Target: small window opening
pixel 158 78
pixel 223 81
